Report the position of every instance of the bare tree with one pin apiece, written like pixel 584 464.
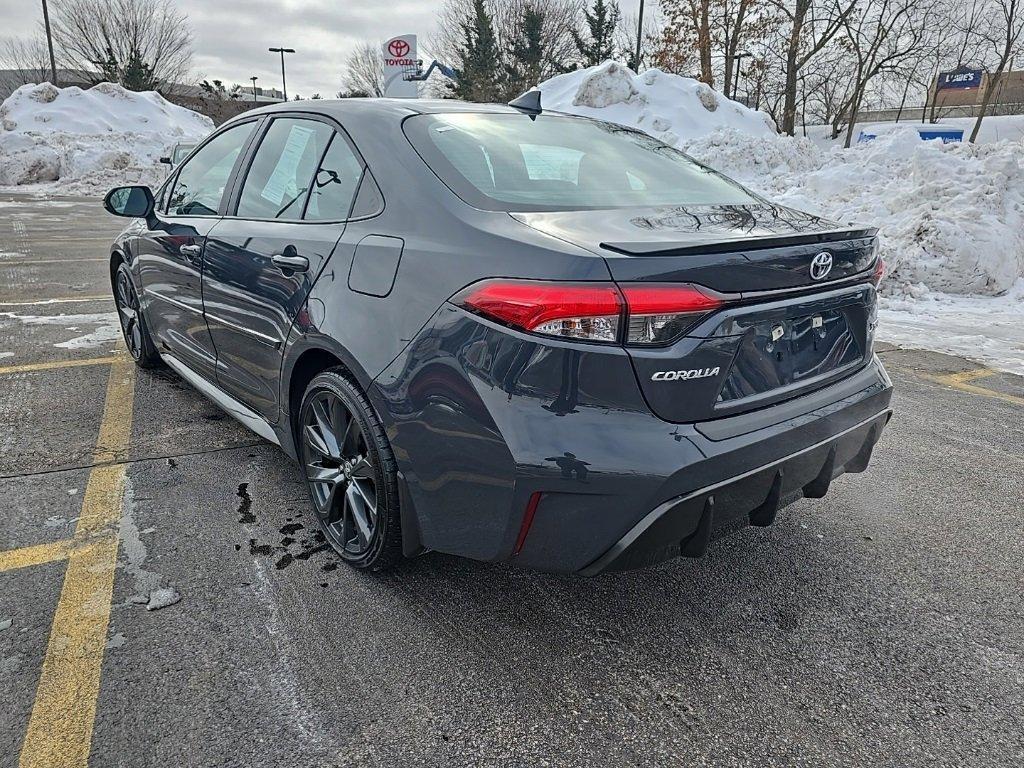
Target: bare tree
pixel 880 34
pixel 812 24
pixel 28 61
pixel 364 71
pixel 141 43
pixel 1003 30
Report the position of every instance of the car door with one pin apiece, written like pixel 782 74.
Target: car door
pixel 288 212
pixel 170 253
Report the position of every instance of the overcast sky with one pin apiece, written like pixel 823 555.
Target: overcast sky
pixel 232 36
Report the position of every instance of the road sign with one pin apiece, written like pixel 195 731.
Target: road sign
pixel 399 58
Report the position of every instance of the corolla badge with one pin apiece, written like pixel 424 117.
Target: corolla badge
pixel 694 373
pixel 821 265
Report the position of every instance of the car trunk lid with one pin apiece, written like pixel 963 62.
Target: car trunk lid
pixel 729 248
pixel 783 329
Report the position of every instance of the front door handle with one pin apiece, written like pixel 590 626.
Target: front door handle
pixel 191 252
pixel 290 263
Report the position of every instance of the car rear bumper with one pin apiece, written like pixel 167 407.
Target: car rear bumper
pixel 685 525
pixel 546 454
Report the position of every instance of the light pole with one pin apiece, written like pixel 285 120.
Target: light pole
pixel 49 44
pixel 639 36
pixel 254 79
pixel 737 57
pixel 282 51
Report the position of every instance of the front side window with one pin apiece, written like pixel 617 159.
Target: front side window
pixel 510 162
pixel 282 169
pixel 199 185
pixel 335 183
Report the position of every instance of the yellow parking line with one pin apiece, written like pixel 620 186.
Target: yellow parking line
pixel 54 364
pixel 962 381
pixel 60 729
pixel 39 554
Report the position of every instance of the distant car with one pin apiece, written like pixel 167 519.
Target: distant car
pixel 505 334
pixel 178 153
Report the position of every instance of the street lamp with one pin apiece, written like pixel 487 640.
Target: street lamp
pixel 282 51
pixel 639 35
pixel 254 79
pixel 736 80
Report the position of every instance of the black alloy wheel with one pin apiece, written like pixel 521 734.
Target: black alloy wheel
pixel 133 324
pixel 350 472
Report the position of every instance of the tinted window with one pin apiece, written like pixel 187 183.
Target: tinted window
pixel 282 169
pixel 200 184
pixel 335 184
pixel 513 162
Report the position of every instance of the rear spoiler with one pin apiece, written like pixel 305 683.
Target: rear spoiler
pixel 668 248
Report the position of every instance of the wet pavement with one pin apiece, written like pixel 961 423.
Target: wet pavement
pixel 882 625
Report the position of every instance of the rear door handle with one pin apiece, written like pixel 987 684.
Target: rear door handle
pixel 290 263
pixel 191 252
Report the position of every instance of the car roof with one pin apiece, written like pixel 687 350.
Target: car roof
pixel 365 107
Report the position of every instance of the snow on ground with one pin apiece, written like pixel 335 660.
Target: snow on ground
pixel 950 217
pixel 77 141
pixel 984 328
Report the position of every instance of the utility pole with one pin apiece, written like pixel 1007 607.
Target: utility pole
pixel 639 36
pixel 282 51
pixel 254 79
pixel 49 44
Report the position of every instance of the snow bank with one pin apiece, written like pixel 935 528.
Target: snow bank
pixel 669 107
pixel 950 216
pixel 90 140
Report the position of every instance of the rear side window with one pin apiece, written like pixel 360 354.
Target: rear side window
pixel 282 169
pixel 514 162
pixel 335 184
pixel 199 185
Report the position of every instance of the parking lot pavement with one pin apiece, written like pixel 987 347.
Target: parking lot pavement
pixel 882 625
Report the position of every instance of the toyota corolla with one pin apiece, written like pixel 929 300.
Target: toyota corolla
pixel 505 333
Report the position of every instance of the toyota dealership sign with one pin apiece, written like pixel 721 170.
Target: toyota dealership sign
pixel 399 60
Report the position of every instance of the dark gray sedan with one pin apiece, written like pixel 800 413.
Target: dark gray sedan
pixel 504 333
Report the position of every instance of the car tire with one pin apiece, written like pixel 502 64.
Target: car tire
pixel 133 322
pixel 350 472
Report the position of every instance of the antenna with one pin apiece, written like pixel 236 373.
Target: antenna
pixel 528 102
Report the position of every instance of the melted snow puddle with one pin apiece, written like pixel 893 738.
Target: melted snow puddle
pixel 106 330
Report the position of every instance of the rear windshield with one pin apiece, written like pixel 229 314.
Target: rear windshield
pixel 510 162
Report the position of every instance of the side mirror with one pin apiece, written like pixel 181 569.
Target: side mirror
pixel 166 160
pixel 132 202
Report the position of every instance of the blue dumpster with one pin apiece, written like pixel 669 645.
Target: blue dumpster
pixel 947 134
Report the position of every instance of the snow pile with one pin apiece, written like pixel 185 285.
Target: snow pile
pixel 669 107
pixel 951 217
pixel 90 140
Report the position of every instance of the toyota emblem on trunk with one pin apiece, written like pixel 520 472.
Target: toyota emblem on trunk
pixel 821 265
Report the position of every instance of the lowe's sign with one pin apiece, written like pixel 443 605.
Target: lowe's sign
pixel 965 79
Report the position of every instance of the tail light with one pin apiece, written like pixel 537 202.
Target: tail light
pixel 635 314
pixel 659 314
pixel 879 272
pixel 589 311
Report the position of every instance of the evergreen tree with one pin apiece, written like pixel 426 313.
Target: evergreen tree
pixel 602 20
pixel 526 52
pixel 480 61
